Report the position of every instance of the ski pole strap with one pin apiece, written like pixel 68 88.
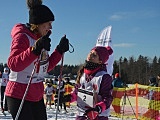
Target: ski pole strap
pixel 72 48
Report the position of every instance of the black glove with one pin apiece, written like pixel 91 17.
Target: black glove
pixel 43 42
pixel 92 113
pixel 63 45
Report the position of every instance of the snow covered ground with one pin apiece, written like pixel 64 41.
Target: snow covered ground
pixel 51 114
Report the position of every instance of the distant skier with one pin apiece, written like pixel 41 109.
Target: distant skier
pixel 68 89
pixel 61 89
pixel 5 78
pixel 49 90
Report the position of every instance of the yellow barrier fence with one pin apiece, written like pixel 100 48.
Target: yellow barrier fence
pixel 136 101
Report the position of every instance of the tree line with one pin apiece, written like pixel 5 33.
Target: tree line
pixel 131 70
pixel 137 70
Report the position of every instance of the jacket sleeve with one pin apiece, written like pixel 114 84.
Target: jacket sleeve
pixel 20 54
pixel 106 92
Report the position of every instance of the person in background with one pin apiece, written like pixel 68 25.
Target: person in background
pixel 158 77
pixel 117 83
pixel 54 80
pixel 49 92
pixel 29 51
pixel 153 81
pixel 68 89
pixel 152 112
pixel 67 79
pixel 61 89
pixel 5 78
pixel 0 74
pixel 93 88
pixel 158 96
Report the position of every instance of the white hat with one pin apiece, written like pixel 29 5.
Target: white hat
pixel 6 69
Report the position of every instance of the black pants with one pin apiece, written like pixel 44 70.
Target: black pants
pixel 2 99
pixel 30 110
pixel 61 102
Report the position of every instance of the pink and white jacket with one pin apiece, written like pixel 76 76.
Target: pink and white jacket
pixel 21 62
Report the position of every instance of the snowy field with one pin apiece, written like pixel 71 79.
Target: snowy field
pixel 51 114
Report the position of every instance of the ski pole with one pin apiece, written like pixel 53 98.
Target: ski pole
pixel 26 91
pixel 4 105
pixel 60 77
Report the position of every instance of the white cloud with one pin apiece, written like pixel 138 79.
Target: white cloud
pixel 115 17
pixel 119 16
pixel 136 14
pixel 124 45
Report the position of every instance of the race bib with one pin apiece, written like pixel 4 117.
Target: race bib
pixel 85 99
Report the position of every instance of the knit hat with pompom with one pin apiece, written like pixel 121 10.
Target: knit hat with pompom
pixel 103 52
pixel 39 13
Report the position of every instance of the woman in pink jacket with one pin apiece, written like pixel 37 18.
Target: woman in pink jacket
pixel 29 49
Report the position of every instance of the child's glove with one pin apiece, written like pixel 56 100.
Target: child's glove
pixel 92 113
pixel 63 45
pixel 43 42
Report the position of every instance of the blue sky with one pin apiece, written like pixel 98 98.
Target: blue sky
pixel 135 26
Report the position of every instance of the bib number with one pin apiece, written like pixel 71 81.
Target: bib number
pixel 85 99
